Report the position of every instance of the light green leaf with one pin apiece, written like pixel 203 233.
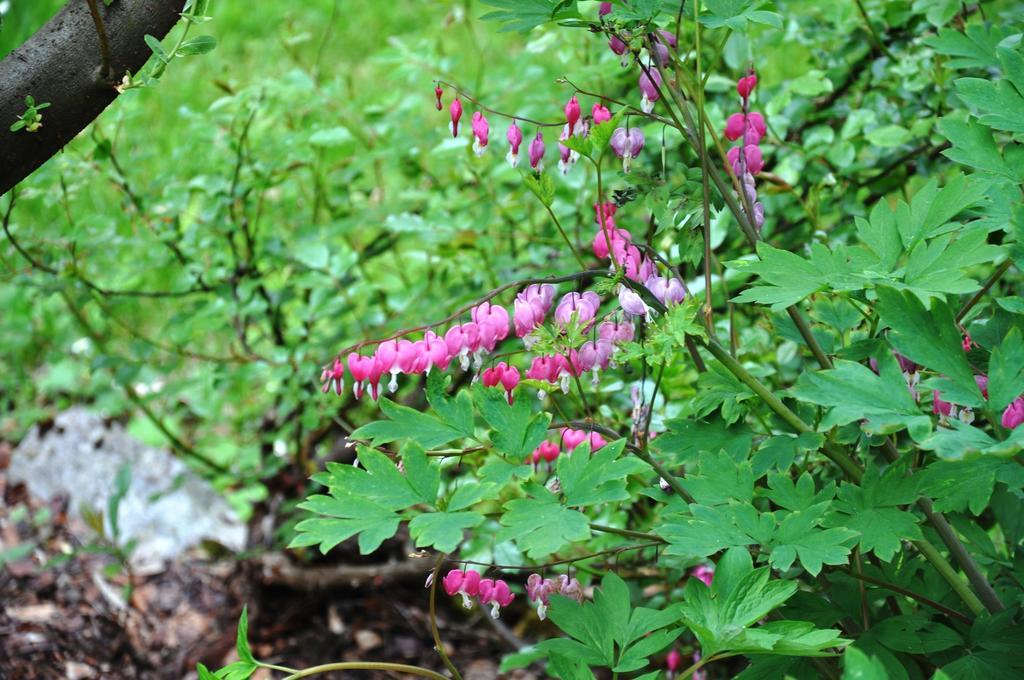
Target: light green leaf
pixel 598 478
pixel 928 337
pixel 541 525
pixel 443 530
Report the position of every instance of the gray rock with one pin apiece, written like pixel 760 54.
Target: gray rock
pixel 167 509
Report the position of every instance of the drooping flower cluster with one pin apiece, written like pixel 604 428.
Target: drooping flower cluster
pixel 547 451
pixel 531 306
pixel 576 125
pixel 469 584
pixel 572 438
pixel 504 375
pixel 540 589
pixel 748 128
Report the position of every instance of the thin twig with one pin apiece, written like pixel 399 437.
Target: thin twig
pixel 101 31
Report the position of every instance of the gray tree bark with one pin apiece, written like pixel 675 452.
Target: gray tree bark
pixel 61 64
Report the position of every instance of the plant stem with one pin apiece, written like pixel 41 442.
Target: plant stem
pixel 938 606
pixel 996 275
pixel 565 237
pixel 101 32
pixel 433 622
pixel 628 533
pixel 368 666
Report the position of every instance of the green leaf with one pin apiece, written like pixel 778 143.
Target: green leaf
pixel 974 146
pixel 735 14
pixel 998 103
pixel 798 537
pixel 423 478
pixel 542 186
pixel 778 452
pixel 914 634
pixel 443 530
pixel 608 625
pixel 685 440
pixel 601 134
pixel 158 50
pixel 889 136
pixel 958 485
pixel 331 137
pixel 975 48
pixel 516 431
pixel 204 672
pixel 797 496
pixel 963 441
pixel 859 666
pixel 541 525
pixel 347 516
pixel 854 392
pixel 472 493
pixel 929 338
pixel 455 411
pixel 525 15
pixel 201 44
pixel 721 479
pixel 786 278
pixel 722 616
pixel 870 509
pixel 1006 371
pixel 242 638
pixel 407 423
pixel 599 478
pixel 708 530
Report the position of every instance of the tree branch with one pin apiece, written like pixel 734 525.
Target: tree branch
pixel 61 65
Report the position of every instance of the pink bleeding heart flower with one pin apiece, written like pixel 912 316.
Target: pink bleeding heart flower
pixel 668 291
pixel 627 145
pixel 616 45
pixel 746 85
pixel 1014 414
pixel 515 138
pixel 456 112
pixel 662 41
pixel 572 113
pixel 632 304
pixel 599 114
pixel 703 573
pixel 504 375
pixel 480 131
pixel 437 351
pixel 616 331
pixel 546 451
pixel 568 157
pixel 982 382
pixel 606 8
pixel 734 126
pixel 581 306
pixel 333 377
pixel 650 82
pixel 537 152
pixel 573 438
pixel 673 662
pixel 751 157
pixel 940 407
pixel 386 357
pixel 495 593
pixel 465 583
pixel 540 590
pixel 635 266
pixel 438 92
pixel 967 343
pixel 360 367
pixel 755 122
